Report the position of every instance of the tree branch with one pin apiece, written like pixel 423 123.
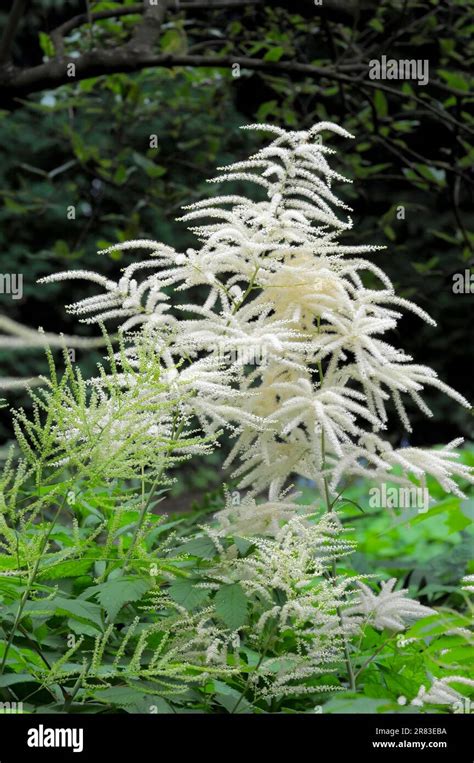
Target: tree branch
pixel 137 9
pixel 398 152
pixel 343 7
pixel 57 35
pixel 9 32
pixel 95 63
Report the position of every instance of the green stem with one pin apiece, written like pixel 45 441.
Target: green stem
pixel 29 585
pixel 75 689
pixel 333 571
pixel 257 666
pixel 372 657
pixel 145 506
pixel 141 519
pixel 136 533
pixel 347 658
pixel 244 296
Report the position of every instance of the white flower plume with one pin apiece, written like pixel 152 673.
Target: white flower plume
pixel 288 309
pixel 468 583
pixel 441 693
pixel 389 609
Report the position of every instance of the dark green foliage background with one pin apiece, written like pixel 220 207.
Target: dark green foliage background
pixel 87 144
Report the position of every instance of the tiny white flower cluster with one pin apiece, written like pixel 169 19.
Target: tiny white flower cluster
pixel 288 583
pixel 278 278
pixel 468 583
pixel 440 693
pixel 389 609
pixel 251 518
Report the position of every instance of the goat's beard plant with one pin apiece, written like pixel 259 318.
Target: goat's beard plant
pixel 283 290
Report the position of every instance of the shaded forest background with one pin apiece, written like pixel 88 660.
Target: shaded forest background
pixel 171 72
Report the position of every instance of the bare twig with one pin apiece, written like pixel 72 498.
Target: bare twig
pixel 20 337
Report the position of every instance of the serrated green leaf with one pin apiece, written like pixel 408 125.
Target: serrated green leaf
pixel 9 679
pixel 185 593
pixel 231 605
pixel 114 594
pixel 68 569
pixel 77 609
pixel 242 545
pixel 202 547
pixel 130 698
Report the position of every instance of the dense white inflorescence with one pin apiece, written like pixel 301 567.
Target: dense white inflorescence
pixel 288 348
pixel 289 314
